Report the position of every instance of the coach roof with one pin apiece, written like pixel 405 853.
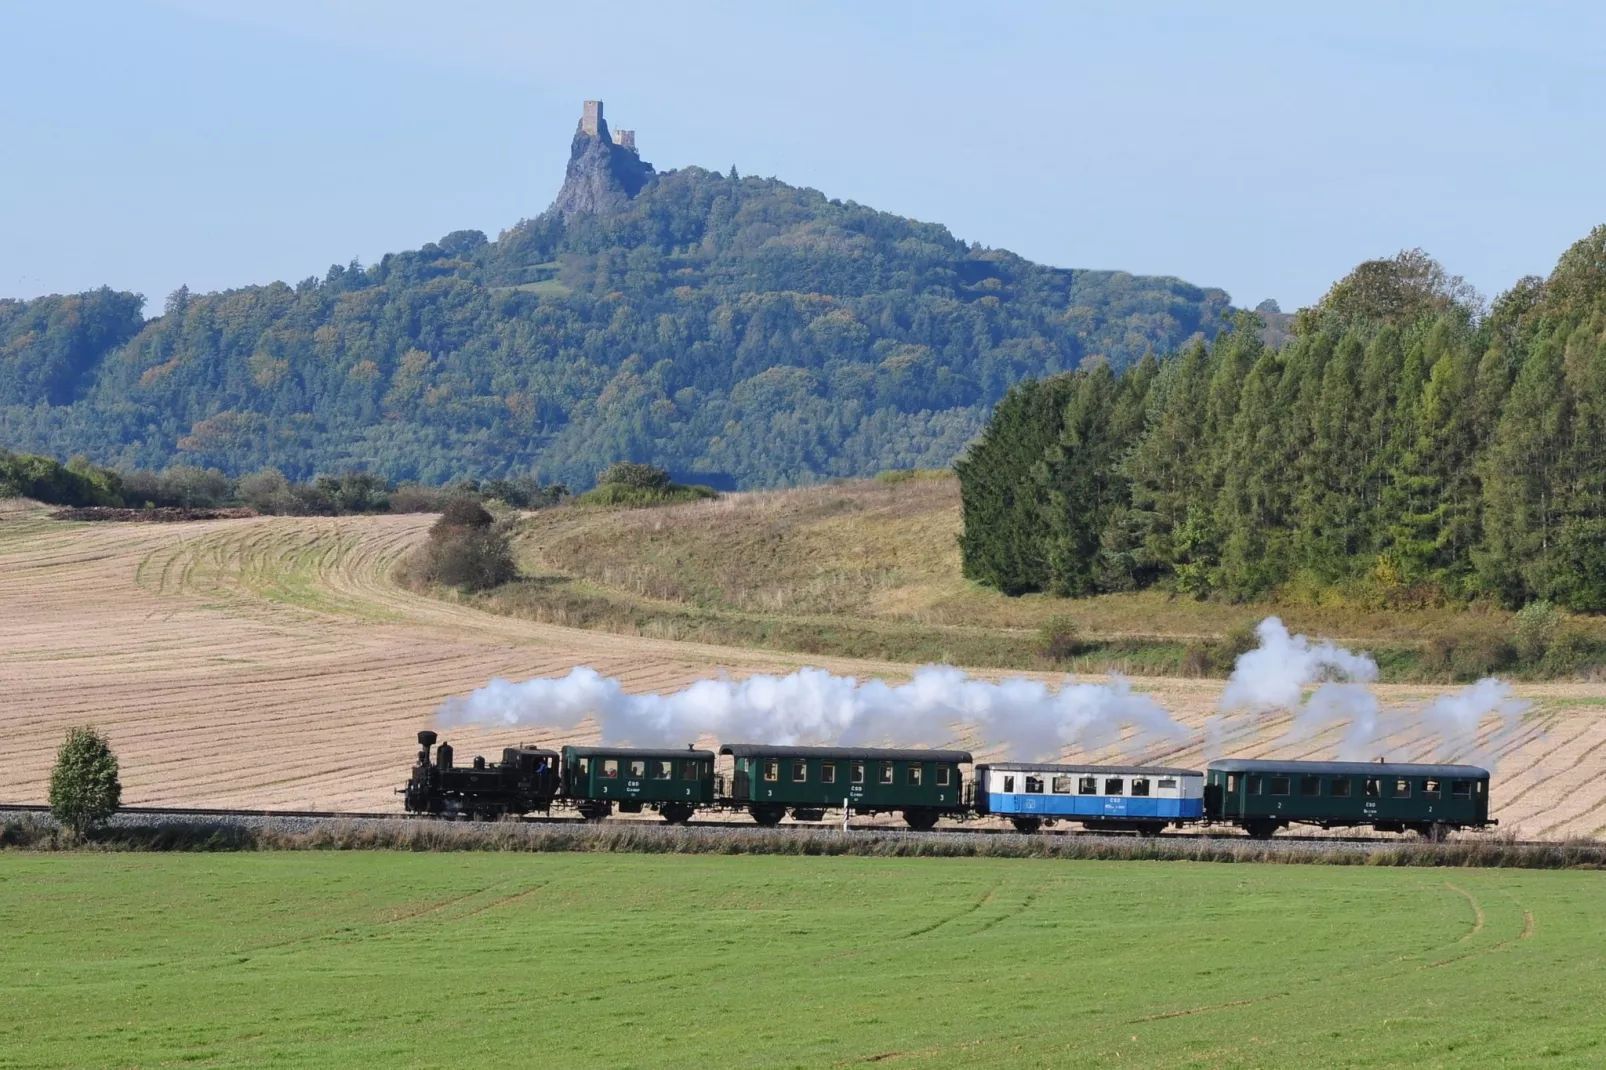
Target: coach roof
pixel 1112 770
pixel 866 754
pixel 659 753
pixel 1261 765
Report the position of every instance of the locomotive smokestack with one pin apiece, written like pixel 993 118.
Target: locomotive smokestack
pixel 426 738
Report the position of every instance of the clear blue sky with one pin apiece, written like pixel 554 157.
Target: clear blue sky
pixel 1263 148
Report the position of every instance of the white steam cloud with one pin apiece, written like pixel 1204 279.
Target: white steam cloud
pixel 1030 719
pixel 812 706
pixel 1274 676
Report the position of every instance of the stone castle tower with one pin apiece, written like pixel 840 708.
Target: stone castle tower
pixel 605 169
pixel 593 124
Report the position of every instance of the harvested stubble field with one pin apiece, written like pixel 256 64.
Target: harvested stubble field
pixel 388 959
pixel 272 662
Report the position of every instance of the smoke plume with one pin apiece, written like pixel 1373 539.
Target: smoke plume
pixel 1274 677
pixel 812 706
pixel 1029 719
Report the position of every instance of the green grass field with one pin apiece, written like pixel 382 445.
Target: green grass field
pixel 399 960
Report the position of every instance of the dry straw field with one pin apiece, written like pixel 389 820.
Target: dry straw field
pixel 271 662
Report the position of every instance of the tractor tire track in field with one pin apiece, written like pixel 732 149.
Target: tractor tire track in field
pixel 273 663
pixel 966 912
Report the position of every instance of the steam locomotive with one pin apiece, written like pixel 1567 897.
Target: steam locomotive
pixel 925 786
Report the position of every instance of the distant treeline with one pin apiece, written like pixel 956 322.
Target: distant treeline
pixel 79 483
pixel 1404 447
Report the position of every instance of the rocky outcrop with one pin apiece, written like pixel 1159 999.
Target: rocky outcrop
pixel 602 175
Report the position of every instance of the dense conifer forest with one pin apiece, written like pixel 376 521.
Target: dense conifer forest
pixel 721 326
pixel 1404 447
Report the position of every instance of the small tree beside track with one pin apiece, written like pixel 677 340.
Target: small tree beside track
pixel 84 789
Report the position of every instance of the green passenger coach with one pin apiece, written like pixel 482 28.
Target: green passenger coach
pixel 672 782
pixel 769 781
pixel 1263 796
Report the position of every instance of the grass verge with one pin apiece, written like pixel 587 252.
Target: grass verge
pixel 28 833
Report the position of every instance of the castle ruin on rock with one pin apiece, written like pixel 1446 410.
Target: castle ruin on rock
pixel 605 169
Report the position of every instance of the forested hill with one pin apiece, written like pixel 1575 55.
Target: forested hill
pixel 1401 449
pixel 710 323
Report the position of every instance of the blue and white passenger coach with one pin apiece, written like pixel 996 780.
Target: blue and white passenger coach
pixel 1130 798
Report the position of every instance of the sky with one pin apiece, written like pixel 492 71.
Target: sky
pixel 1262 148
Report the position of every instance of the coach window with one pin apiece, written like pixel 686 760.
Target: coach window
pixel 916 772
pixel 772 769
pixel 886 772
pixel 610 768
pixel 1252 785
pixel 1088 785
pixel 1140 786
pixel 1341 788
pixel 827 772
pixel 1402 789
pixel 1310 785
pixel 1482 786
pixel 1232 783
pixel 1062 785
pixel 1009 785
pixel 800 770
pixel 1281 785
pixel 1461 789
pixel 1114 786
pixel 1168 783
pixel 585 766
pixel 945 775
pixel 688 771
pixel 856 771
pixel 1432 788
pixel 638 767
pixel 1374 787
pixel 1034 784
pixel 663 769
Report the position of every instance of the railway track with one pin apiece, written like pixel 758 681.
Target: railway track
pixel 1225 833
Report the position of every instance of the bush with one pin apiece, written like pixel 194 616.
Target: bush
pixel 416 498
pixel 631 474
pixel 1058 639
pixel 1535 629
pixel 1477 656
pixel 638 497
pixel 267 491
pixel 1571 653
pixel 461 511
pixel 84 790
pixel 1218 657
pixel 467 549
pixel 524 492
pixel 24 475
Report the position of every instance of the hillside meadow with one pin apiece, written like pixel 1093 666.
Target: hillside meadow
pixel 394 959
pixel 872 569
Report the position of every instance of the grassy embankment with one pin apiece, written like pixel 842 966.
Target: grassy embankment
pixel 378 958
pixel 871 569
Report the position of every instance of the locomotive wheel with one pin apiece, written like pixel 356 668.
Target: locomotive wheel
pixel 676 813
pixel 767 816
pixel 1026 824
pixel 920 820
